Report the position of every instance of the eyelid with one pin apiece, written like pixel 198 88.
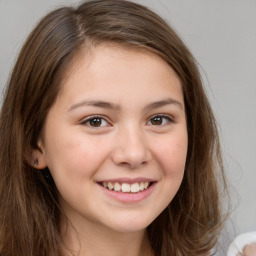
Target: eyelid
pixel 167 116
pixel 85 120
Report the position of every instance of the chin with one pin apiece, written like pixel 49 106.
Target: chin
pixel 128 225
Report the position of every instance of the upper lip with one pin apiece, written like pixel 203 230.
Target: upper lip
pixel 127 180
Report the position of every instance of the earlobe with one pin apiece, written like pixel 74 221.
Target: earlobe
pixel 38 158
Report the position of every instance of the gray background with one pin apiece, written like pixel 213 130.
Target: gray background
pixel 222 36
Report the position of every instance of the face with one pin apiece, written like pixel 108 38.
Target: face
pixel 115 140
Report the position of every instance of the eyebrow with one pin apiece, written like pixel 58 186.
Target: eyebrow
pixel 109 105
pixel 162 103
pixel 95 103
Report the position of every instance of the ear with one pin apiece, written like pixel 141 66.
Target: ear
pixel 37 159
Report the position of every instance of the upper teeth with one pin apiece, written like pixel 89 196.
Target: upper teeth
pixel 126 187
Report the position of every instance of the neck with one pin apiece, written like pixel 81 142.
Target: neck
pixel 93 239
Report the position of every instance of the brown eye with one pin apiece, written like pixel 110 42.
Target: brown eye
pixel 95 122
pixel 157 120
pixel 160 120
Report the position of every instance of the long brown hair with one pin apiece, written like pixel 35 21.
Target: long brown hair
pixel 29 209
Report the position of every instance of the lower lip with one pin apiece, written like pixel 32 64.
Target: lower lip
pixel 129 197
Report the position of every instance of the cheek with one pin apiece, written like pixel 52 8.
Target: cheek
pixel 172 154
pixel 75 154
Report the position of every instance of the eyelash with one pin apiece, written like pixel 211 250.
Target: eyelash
pixel 161 117
pixel 103 119
pixel 91 118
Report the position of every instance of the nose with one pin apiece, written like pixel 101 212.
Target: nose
pixel 131 149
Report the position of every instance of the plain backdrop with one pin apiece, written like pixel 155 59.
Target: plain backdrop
pixel 222 36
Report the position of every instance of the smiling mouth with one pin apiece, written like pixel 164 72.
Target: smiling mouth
pixel 126 187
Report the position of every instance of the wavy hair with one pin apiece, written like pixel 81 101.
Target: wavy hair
pixel 29 208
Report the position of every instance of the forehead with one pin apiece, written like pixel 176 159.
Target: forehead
pixel 89 53
pixel 89 50
pixel 102 66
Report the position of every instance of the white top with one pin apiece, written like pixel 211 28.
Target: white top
pixel 238 244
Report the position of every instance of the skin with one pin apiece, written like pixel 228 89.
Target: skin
pixel 248 250
pixel 130 140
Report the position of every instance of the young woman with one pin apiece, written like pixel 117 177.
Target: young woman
pixel 108 143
